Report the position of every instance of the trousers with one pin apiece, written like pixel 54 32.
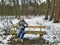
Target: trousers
pixel 21 33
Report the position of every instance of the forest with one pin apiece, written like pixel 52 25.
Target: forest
pixel 49 7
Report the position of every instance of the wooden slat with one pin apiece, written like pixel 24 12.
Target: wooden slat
pixel 29 32
pixel 12 32
pixel 36 32
pixel 32 26
pixel 36 27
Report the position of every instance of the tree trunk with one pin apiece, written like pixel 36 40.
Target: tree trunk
pixel 2 1
pixel 47 12
pixel 14 2
pixel 17 2
pixel 52 10
pixel 18 9
pixel 57 16
pixel 14 5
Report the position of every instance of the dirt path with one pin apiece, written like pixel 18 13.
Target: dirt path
pixel 26 41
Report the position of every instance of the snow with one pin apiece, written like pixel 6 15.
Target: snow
pixel 31 36
pixel 52 29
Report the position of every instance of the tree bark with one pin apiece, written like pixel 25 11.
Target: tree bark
pixel 52 10
pixel 2 1
pixel 57 16
pixel 47 12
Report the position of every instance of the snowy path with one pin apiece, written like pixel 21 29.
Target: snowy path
pixel 53 29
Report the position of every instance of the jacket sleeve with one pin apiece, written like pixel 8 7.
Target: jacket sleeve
pixel 26 23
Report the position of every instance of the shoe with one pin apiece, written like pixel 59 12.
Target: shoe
pixel 16 40
pixel 22 40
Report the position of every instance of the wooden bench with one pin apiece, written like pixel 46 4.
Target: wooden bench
pixel 31 32
pixel 41 33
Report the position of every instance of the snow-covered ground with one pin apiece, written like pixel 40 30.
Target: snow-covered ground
pixel 52 29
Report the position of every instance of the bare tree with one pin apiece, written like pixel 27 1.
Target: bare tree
pixel 47 11
pixel 2 1
pixel 57 16
pixel 52 9
pixel 10 2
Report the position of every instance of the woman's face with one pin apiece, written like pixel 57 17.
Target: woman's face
pixel 21 19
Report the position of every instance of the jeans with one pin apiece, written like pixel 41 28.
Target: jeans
pixel 21 33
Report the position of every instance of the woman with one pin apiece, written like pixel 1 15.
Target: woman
pixel 21 25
